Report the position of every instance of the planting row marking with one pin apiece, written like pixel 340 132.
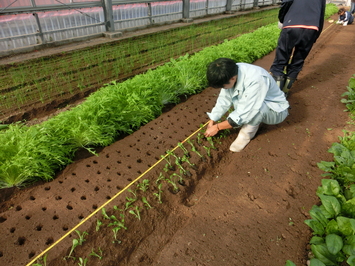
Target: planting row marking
pixel 107 202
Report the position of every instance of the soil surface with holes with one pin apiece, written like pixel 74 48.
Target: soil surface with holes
pixel 244 208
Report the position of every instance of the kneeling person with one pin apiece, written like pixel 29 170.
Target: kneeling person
pixel 253 93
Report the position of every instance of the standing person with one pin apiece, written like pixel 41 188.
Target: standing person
pixel 252 92
pixel 301 22
pixel 352 7
pixel 345 17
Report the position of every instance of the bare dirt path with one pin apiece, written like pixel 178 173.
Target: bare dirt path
pixel 235 209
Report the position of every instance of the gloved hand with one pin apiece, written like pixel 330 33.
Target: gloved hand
pixel 345 23
pixel 280 25
pixel 340 22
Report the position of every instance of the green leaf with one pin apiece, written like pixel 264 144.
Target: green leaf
pixel 332 227
pixel 331 204
pixel 327 214
pixel 290 263
pixel 352 190
pixel 326 166
pixel 351 260
pixel 349 208
pixel 317 240
pixel 350 240
pixel 330 187
pixel 346 225
pixel 349 250
pixel 316 226
pixel 334 243
pixel 322 253
pixel 317 214
pixel 316 262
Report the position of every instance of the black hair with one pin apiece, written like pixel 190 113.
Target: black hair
pixel 220 71
pixel 341 10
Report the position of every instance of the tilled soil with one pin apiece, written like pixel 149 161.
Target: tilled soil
pixel 243 208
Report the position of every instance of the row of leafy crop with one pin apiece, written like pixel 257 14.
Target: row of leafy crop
pixel 29 154
pixel 333 221
pixel 41 79
pixel 37 152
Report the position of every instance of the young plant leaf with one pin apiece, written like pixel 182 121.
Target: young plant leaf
pixel 334 243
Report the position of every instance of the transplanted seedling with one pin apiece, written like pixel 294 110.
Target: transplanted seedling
pixel 167 158
pixel 118 225
pixel 130 200
pixel 98 224
pixel 82 262
pixel 178 163
pixel 159 193
pixel 208 150
pixel 104 214
pixel 95 254
pixel 136 212
pixel 44 258
pixel 115 231
pixel 186 152
pixel 200 138
pixel 144 186
pixel 77 242
pixel 146 203
pixel 186 159
pixel 173 180
pixel 210 141
pixel 193 148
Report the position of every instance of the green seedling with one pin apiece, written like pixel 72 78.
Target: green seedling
pixel 117 209
pixel 136 212
pixel 144 185
pixel 98 224
pixel 118 223
pixel 181 180
pixel 178 163
pixel 186 152
pixel 167 159
pixel 77 242
pixel 159 193
pixel 81 236
pixel 115 231
pixel 104 214
pixel 210 141
pixel 160 178
pixel 130 200
pixel 193 148
pixel 172 180
pixel 200 138
pixel 208 149
pixel 146 203
pixel 82 262
pixel 224 133
pixel 94 254
pixel 44 258
pixel 186 159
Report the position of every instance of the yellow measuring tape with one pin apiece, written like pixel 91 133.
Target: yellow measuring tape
pixel 107 202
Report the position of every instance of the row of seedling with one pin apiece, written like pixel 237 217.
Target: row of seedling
pixel 176 169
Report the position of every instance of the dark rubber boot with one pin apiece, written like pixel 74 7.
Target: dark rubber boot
pixel 287 85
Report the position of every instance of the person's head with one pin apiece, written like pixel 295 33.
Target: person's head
pixel 222 73
pixel 341 11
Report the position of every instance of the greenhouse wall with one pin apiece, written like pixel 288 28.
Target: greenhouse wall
pixel 34 23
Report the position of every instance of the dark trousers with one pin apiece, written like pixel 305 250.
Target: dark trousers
pixel 296 40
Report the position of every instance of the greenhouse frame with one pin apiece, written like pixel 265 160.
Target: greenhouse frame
pixel 37 23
